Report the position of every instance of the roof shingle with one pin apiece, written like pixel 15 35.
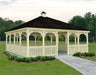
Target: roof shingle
pixel 46 22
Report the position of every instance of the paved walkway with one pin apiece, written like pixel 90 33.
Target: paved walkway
pixel 86 67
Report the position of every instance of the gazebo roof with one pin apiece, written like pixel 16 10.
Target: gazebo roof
pixel 46 22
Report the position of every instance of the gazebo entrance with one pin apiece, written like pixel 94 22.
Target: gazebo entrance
pixel 62 46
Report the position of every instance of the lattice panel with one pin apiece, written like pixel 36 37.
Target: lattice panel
pixel 50 50
pixel 73 49
pixel 20 50
pixel 36 51
pixel 83 48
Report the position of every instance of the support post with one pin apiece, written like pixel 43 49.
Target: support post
pixel 20 39
pixel 35 39
pixel 57 41
pixel 6 38
pixel 27 43
pixel 78 41
pixel 35 36
pixel 87 41
pixel 51 38
pixel 14 38
pixel 10 39
pixel 43 37
pixel 17 39
pixel 75 40
pixel 67 42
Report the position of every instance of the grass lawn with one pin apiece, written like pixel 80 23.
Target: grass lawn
pixel 92 48
pixel 46 68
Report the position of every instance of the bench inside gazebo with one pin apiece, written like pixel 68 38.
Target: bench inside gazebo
pixel 44 26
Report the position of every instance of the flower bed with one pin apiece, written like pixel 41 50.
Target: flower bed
pixel 29 59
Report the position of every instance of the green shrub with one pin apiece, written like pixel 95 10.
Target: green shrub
pixel 77 54
pixel 91 54
pixel 6 53
pixel 11 57
pixel 84 54
pixel 28 60
pixel 19 59
pixel 38 57
pixel 42 58
pixel 51 58
pixel 35 59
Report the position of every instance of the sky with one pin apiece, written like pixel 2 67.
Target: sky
pixel 62 10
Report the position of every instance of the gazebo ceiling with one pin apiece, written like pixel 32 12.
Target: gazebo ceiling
pixel 46 22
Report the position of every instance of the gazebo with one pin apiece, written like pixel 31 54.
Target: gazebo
pixel 43 26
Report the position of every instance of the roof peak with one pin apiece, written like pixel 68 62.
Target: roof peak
pixel 43 14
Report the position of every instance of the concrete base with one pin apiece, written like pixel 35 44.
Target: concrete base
pixel 15 54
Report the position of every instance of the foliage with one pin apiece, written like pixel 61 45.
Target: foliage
pixel 61 38
pixel 6 25
pixel 29 59
pixel 12 57
pixel 84 54
pixel 87 22
pixel 79 21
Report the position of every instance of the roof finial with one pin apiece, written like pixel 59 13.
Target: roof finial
pixel 43 14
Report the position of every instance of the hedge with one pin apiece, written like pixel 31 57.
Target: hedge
pixel 29 59
pixel 84 54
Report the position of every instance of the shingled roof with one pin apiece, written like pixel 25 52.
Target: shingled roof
pixel 46 22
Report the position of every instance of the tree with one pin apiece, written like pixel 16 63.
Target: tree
pixel 79 21
pixel 88 17
pixel 92 28
pixel 19 22
pixel 91 22
pixel 6 25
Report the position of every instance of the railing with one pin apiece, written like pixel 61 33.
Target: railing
pixel 75 48
pixel 38 51
pixel 83 48
pixel 51 50
pixel 35 51
pixel 20 50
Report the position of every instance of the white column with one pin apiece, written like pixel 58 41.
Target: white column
pixel 27 43
pixel 43 43
pixel 67 42
pixel 75 40
pixel 57 41
pixel 10 39
pixel 51 38
pixel 78 41
pixel 20 39
pixel 14 38
pixel 6 38
pixel 87 41
pixel 65 38
pixel 35 38
pixel 17 39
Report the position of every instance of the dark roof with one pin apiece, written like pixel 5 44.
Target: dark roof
pixel 46 22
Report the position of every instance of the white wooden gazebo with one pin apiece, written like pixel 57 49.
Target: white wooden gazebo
pixel 44 26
